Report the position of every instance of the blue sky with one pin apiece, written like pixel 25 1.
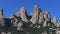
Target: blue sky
pixel 12 6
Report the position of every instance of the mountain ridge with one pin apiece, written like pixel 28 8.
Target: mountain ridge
pixel 38 21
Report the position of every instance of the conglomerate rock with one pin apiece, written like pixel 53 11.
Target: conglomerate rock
pixel 37 22
pixel 58 32
pixel 35 15
pixel 41 18
pixel 19 26
pixel 2 22
pixel 22 13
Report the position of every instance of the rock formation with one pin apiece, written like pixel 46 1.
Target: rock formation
pixel 9 33
pixel 47 16
pixel 38 22
pixel 47 19
pixel 1 18
pixel 22 13
pixel 55 22
pixel 41 18
pixel 58 24
pixel 14 20
pixel 58 32
pixel 20 26
pixel 3 33
pixel 35 15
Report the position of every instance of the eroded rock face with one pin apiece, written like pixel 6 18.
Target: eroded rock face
pixel 58 24
pixel 21 21
pixel 54 21
pixel 47 16
pixel 15 20
pixel 22 13
pixel 19 26
pixel 1 12
pixel 45 23
pixel 35 15
pixel 2 22
pixel 41 18
pixel 47 19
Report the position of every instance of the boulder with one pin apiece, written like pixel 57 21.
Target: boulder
pixel 9 33
pixel 58 32
pixel 3 33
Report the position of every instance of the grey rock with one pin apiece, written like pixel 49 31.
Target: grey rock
pixel 35 15
pixel 9 33
pixel 22 13
pixel 2 21
pixel 3 33
pixel 54 21
pixel 45 23
pixel 58 24
pixel 19 26
pixel 41 18
pixel 47 16
pixel 1 12
pixel 14 20
pixel 47 19
pixel 58 32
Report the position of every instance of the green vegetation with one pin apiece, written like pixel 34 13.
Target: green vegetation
pixel 28 29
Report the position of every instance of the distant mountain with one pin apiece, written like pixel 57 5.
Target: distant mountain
pixel 37 22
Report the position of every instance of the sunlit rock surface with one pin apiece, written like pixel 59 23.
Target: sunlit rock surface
pixel 22 13
pixel 35 14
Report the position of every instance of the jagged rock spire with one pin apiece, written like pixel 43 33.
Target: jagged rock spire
pixel 1 11
pixel 35 15
pixel 47 16
pixel 2 22
pixel 37 8
pixel 22 13
pixel 41 18
pixel 21 10
pixel 58 24
pixel 55 22
pixel 54 19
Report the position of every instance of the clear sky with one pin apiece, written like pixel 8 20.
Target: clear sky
pixel 12 6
